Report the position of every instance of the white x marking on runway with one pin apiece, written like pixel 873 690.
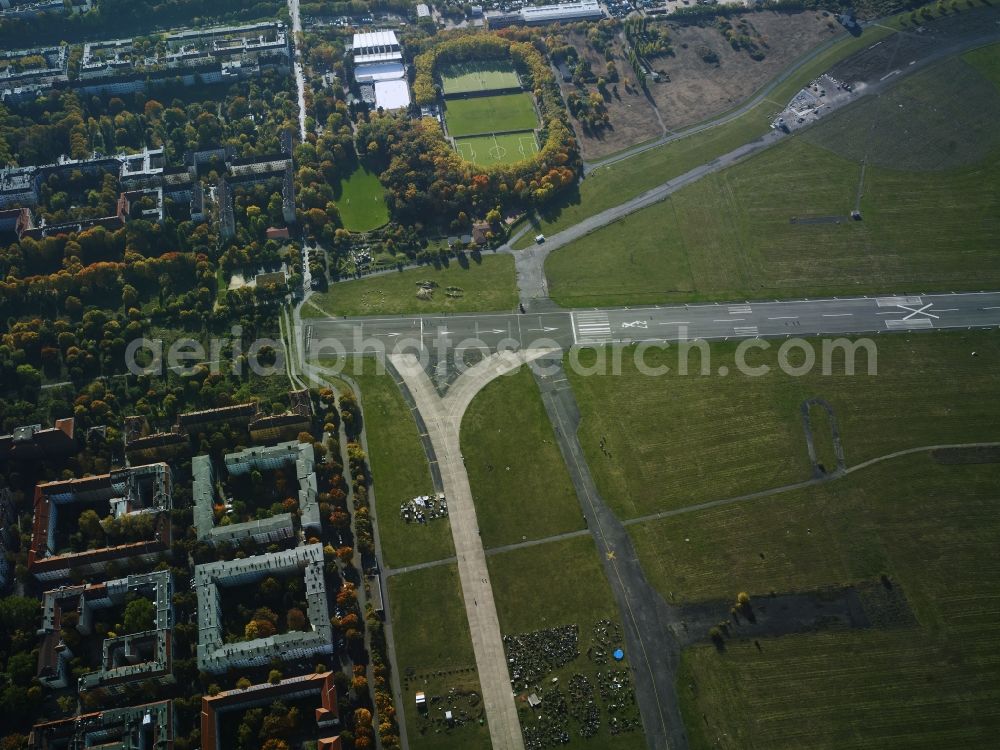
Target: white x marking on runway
pixel 921 311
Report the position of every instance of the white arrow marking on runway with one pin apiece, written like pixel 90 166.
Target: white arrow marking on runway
pixel 386 334
pixel 921 311
pixel 543 329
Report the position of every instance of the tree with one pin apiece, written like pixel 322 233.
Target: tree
pixel 296 619
pixel 30 381
pixel 274 676
pixel 716 635
pixel 18 613
pixel 243 683
pixel 139 616
pixel 89 524
pixel 21 668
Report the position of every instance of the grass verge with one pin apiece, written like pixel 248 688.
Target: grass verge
pixel 486 285
pixel 519 480
pixel 676 441
pixel 931 528
pixel 531 593
pixel 400 472
pixel 434 651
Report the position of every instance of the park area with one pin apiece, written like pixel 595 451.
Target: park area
pixel 734 435
pixel 929 528
pixel 923 524
pixel 731 235
pixel 505 113
pixel 519 481
pixel 559 637
pixel 475 76
pixel 475 285
pixel 399 466
pixel 434 656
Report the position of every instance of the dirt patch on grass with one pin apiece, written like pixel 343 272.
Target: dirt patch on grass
pixel 697 89
pixel 630 113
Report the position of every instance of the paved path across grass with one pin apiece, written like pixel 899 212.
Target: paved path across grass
pixel 443 420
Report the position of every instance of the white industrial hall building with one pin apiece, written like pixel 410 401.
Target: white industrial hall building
pixel 379 69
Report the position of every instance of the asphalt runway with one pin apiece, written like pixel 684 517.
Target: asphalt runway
pixel 444 335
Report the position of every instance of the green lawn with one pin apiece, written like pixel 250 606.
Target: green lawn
pixel 612 185
pixel 925 123
pixel 481 286
pixel 362 201
pixel 486 150
pixel 931 528
pixel 532 592
pixel 400 472
pixel 519 480
pixel 467 77
pixel 729 236
pixel 434 653
pixel 490 114
pixel 678 440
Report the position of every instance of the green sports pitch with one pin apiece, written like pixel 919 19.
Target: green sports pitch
pixel 487 150
pixel 470 77
pixel 490 114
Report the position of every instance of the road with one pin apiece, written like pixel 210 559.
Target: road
pixel 442 336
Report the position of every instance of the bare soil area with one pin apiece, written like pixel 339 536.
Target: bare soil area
pixel 631 115
pixel 697 90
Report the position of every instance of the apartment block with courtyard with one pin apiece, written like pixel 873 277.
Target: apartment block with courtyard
pixel 76 618
pixel 24 73
pixel 317 689
pixel 223 588
pixel 128 519
pixel 261 487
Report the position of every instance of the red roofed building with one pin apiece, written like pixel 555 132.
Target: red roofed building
pixel 327 715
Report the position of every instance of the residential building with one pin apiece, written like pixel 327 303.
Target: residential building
pixel 211 581
pixel 292 455
pixel 291 689
pixel 125 659
pixel 129 492
pixel 33 442
pixel 145 727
